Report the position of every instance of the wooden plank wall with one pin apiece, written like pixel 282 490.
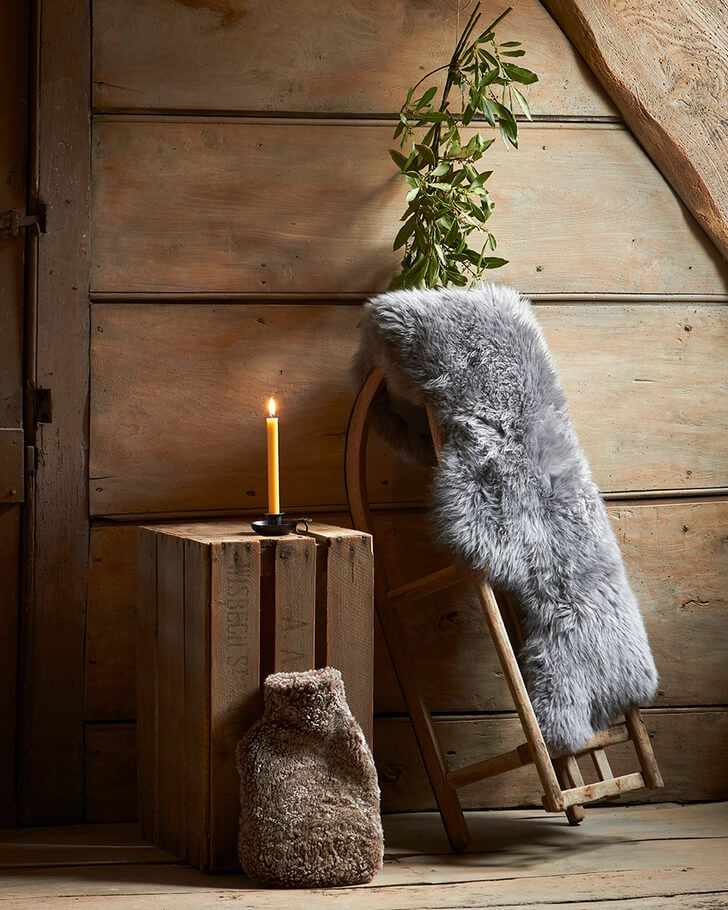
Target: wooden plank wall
pixel 14 25
pixel 244 205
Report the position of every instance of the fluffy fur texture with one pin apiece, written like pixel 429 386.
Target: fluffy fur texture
pixel 308 788
pixel 514 494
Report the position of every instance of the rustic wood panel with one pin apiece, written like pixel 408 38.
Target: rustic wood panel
pixel 677 559
pixel 254 56
pixel 679 577
pixel 691 746
pixel 14 23
pixel 110 681
pixel 224 206
pixel 145 629
pixel 9 589
pixel 294 630
pixel 110 772
pixel 14 46
pixel 51 709
pixel 664 65
pixel 178 396
pixel 170 715
pixel 517 859
pixel 345 637
pixel 235 696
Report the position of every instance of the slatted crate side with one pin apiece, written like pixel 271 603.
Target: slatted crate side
pixel 145 627
pixel 365 57
pixel 235 697
pixel 319 220
pixel 197 654
pixel 345 613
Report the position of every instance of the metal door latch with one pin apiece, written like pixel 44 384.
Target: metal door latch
pixel 12 221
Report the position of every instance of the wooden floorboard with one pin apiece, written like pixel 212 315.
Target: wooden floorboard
pixel 631 858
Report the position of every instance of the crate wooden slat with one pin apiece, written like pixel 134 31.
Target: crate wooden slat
pixel 219 609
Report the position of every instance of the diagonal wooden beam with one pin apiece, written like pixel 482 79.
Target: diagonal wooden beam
pixel 665 66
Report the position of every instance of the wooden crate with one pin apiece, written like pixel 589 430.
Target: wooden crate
pixel 219 609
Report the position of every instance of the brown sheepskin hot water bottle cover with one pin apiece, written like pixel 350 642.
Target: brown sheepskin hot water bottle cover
pixel 309 795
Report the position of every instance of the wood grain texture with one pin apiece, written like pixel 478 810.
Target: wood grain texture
pixel 51 709
pixel 171 744
pixel 147 682
pixel 701 886
pixel 110 772
pixel 164 375
pixel 676 559
pixel 316 206
pixel 679 577
pixel 235 698
pixel 664 65
pixel 197 702
pixel 14 47
pixel 349 618
pixel 691 746
pixel 295 604
pixel 10 529
pixel 14 44
pixel 251 56
pixel 519 859
pixel 110 652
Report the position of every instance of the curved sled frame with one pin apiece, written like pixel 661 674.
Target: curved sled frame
pixel 560 776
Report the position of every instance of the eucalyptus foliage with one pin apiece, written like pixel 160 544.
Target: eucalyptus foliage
pixel 447 198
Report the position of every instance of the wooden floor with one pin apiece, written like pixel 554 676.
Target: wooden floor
pixel 659 857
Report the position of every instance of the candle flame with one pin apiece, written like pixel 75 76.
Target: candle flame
pixel 271 407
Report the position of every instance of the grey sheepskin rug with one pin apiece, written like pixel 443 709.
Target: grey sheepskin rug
pixel 514 495
pixel 309 797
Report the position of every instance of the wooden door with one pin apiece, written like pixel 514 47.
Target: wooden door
pixel 13 148
pixel 50 728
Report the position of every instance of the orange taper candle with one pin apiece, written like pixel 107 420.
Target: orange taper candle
pixel 274 489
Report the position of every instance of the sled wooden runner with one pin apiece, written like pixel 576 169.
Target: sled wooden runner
pixel 560 776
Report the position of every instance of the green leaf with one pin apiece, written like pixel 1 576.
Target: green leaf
pixel 522 101
pixel 399 130
pixel 398 159
pixel 513 53
pixel 509 134
pixel 413 194
pixel 427 97
pixel 404 233
pixel 435 117
pixel 489 77
pixel 511 44
pixel 502 112
pixel 494 262
pixel 519 74
pixel 489 111
pixel 426 153
pixel 442 168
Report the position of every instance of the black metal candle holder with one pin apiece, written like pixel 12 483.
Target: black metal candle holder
pixel 275 525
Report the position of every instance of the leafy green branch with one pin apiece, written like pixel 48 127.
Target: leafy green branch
pixel 447 198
